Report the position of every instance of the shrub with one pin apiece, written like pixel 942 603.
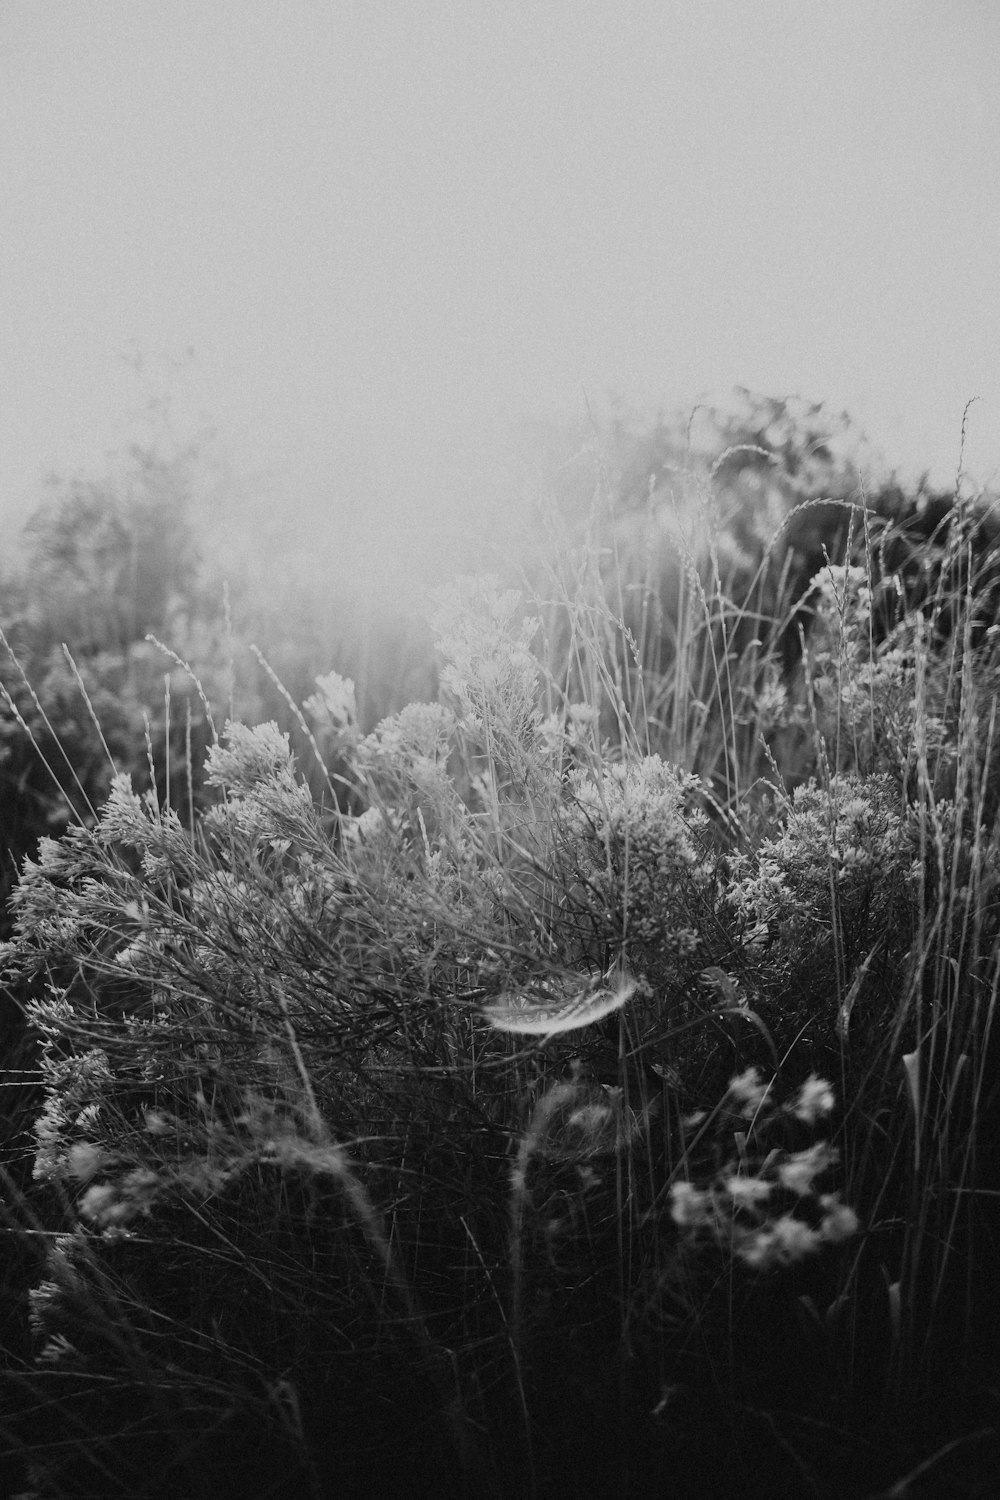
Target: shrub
pixel 513 1101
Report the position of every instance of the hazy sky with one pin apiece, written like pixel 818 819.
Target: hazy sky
pixel 390 229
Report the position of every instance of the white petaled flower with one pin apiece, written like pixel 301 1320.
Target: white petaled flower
pixel 84 1160
pixel 780 1243
pixel 757 1250
pixel 839 1221
pixel 842 588
pixel 690 1207
pixel 747 1191
pixel 581 723
pixel 799 1170
pixel 792 1239
pixel 123 816
pixel 418 732
pixel 102 1204
pixel 748 1092
pixel 489 663
pixel 336 697
pixel 249 758
pixel 814 1100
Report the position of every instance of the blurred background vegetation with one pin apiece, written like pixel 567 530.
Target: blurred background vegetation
pixel 105 564
pixel 688 555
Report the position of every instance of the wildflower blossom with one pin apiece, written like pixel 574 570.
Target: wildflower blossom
pixel 101 1203
pixel 138 822
pixel 850 836
pixel 690 1207
pixel 252 756
pixel 771 706
pixel 747 1190
pixel 843 611
pixel 335 701
pixel 489 665
pixel 814 1100
pixel 124 816
pixel 839 1222
pixel 75 1087
pixel 748 1092
pixel 420 731
pixel 798 1171
pixel 780 1243
pixel 634 835
pixel 115 1204
pixel 84 1160
pixel 764 1208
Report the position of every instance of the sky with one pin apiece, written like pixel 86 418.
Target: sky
pixel 351 247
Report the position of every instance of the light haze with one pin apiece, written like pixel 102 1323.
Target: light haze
pixel 391 233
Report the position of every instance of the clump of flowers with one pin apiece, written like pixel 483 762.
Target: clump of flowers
pixel 116 1187
pixel 335 703
pixel 405 760
pixel 636 835
pixel 870 695
pixel 833 872
pixel 572 734
pixel 489 665
pixel 263 799
pixel 842 612
pixel 773 708
pixel 767 1208
pixel 333 710
pixel 77 1087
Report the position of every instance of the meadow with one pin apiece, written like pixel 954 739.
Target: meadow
pixel 564 1066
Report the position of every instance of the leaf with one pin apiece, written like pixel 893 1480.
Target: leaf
pixel 847 1004
pixel 526 1017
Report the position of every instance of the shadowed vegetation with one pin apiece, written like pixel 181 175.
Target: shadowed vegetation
pixel 572 1073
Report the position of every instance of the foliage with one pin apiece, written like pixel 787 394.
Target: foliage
pixel 551 1084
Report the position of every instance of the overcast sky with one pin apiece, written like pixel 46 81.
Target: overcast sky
pixel 390 229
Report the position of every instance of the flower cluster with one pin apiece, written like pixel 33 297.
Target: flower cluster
pixel 766 1208
pixel 336 702
pixel 489 665
pixel 255 770
pixel 405 761
pixel 772 706
pixel 838 857
pixel 574 730
pixel 420 732
pixel 843 606
pixel 635 836
pixel 258 1131
pixel 76 1090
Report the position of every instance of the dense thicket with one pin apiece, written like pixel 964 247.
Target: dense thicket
pixel 579 1074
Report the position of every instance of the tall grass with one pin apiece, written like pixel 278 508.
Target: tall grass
pixel 596 1090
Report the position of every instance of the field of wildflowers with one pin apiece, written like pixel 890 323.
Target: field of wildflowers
pixel 583 1082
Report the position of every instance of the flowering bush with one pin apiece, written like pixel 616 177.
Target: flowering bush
pixel 480 1034
pixel 637 842
pixel 829 888
pixel 489 665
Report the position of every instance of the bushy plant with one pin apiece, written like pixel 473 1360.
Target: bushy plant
pixel 547 1078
